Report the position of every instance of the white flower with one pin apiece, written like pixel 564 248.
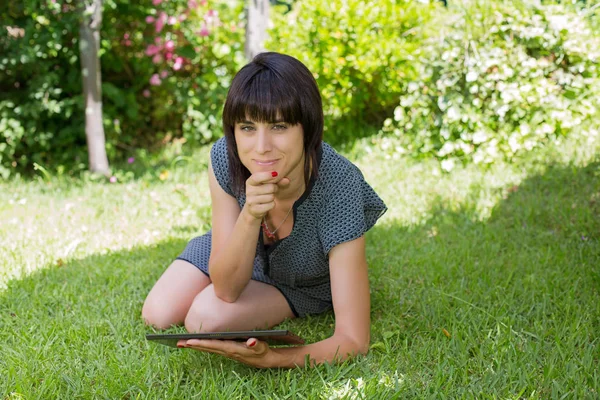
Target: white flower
pixel 502 110
pixel 479 137
pixel 453 113
pixel 448 165
pixel 471 76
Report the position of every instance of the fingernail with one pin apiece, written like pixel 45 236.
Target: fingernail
pixel 274 174
pixel 180 345
pixel 252 343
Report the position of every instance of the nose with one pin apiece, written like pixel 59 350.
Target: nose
pixel 263 141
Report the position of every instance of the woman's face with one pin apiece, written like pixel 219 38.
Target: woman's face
pixel 274 146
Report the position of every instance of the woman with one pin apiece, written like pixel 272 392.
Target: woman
pixel 288 221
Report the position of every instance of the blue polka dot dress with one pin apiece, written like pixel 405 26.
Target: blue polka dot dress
pixel 338 206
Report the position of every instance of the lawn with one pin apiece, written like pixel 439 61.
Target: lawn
pixel 484 284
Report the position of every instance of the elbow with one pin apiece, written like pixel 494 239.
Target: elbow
pixel 361 344
pixel 362 347
pixel 223 291
pixel 357 346
pixel 226 295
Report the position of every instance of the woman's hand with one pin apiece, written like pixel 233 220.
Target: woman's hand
pixel 260 192
pixel 253 352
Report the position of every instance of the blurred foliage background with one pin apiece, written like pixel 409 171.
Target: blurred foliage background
pixel 475 81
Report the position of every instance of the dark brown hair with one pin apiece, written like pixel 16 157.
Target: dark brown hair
pixel 274 86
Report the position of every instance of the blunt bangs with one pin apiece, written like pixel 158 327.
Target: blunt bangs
pixel 263 97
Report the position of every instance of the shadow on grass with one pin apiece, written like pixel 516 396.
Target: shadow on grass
pixel 504 307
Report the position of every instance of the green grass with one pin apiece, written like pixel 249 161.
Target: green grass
pixel 484 285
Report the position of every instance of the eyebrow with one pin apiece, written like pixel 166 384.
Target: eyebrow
pixel 252 123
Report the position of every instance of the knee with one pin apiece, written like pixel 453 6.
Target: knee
pixel 207 313
pixel 155 314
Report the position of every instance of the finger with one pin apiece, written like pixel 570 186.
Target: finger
pixel 260 199
pixel 257 346
pixel 265 188
pixel 216 345
pixel 261 209
pixel 204 343
pixel 259 178
pixel 206 346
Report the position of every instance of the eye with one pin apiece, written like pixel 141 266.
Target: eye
pixel 246 128
pixel 280 127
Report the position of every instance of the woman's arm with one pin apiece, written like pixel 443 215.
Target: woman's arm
pixel 233 244
pixel 235 232
pixel 352 306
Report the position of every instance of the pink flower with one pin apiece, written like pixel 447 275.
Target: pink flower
pixel 113 179
pixel 157 59
pixel 155 80
pixel 172 20
pixel 152 50
pixel 203 3
pixel 158 40
pixel 168 56
pixel 160 22
pixel 131 160
pixel 204 31
pixel 169 45
pixel 126 36
pixel 182 17
pixel 149 19
pixel 178 63
pixel 164 74
pixel 146 93
pixel 192 4
pixel 127 43
pixel 211 13
pixel 156 2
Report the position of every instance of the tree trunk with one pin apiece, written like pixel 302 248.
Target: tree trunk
pixel 89 47
pixel 256 27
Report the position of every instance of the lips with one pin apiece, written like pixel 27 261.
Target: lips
pixel 265 162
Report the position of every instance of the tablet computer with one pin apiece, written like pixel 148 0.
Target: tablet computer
pixel 272 337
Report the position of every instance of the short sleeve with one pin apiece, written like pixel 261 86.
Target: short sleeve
pixel 351 208
pixel 220 165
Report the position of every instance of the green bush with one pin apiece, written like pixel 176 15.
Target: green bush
pixel 361 53
pixel 41 103
pixel 502 77
pixel 40 97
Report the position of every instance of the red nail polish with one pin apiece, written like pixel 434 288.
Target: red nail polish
pixel 252 343
pixel 180 346
pixel 274 174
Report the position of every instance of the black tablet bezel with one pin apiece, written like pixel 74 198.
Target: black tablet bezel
pixel 272 337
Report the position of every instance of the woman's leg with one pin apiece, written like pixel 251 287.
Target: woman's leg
pixel 260 306
pixel 172 295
